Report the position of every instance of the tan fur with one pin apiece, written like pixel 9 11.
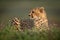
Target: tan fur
pixel 16 23
pixel 39 17
pixel 21 25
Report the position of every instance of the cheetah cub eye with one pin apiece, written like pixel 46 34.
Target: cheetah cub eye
pixel 32 11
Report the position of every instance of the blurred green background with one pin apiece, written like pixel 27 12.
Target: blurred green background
pixel 21 9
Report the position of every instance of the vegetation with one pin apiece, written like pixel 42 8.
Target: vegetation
pixel 9 33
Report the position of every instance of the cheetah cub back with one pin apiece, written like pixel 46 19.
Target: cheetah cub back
pixel 22 25
pixel 40 18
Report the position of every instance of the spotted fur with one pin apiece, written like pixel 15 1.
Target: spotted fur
pixel 22 24
pixel 16 23
pixel 39 17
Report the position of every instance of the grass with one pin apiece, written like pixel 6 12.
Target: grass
pixel 9 33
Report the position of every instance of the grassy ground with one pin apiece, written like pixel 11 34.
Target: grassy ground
pixel 9 33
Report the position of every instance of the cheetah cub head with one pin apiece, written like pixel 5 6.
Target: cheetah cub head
pixel 37 13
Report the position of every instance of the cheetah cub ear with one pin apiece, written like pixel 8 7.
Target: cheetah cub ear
pixel 41 9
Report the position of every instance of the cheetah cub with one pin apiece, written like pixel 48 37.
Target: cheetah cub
pixel 40 18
